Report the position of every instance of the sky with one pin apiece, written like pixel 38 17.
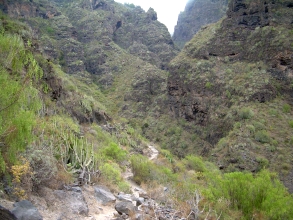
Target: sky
pixel 167 10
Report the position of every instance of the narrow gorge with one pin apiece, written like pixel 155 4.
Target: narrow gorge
pixel 105 115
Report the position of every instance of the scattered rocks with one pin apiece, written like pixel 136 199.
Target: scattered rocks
pixel 25 210
pixel 165 213
pixel 144 195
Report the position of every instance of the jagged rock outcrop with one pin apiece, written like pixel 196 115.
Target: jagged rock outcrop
pixel 197 14
pixel 231 68
pixel 145 37
pixel 131 28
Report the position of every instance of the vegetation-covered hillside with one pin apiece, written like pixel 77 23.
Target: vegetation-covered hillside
pixel 87 86
pixel 233 81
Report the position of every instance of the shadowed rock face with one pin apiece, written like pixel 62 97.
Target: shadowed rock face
pixel 197 13
pixel 6 214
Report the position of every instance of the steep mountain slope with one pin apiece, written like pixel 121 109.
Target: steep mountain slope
pixel 89 39
pixel 233 81
pixel 197 13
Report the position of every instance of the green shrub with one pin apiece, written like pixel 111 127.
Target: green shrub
pixel 259 126
pixel 208 85
pixel 167 155
pixel 19 99
pixel 50 30
pixel 114 152
pixel 262 193
pixel 270 148
pixel 194 163
pixel 228 94
pixel 251 128
pixel 237 125
pixel 286 108
pixel 286 166
pixel 111 172
pixel 263 162
pixel 262 136
pixel 291 123
pixel 246 113
pixel 174 130
pixel 273 112
pixel 141 169
pixel 223 142
pixel 124 187
pixel 162 175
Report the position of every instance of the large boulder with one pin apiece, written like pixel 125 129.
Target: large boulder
pixel 125 197
pixel 25 210
pixel 73 201
pixel 125 207
pixel 104 196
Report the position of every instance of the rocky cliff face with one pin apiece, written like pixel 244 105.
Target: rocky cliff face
pixel 197 14
pixel 103 42
pixel 74 33
pixel 232 80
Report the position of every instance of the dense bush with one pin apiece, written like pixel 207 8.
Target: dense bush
pixel 111 176
pixel 114 152
pixel 44 166
pixel 250 194
pixel 141 168
pixel 246 113
pixel 19 99
pixel 262 136
pixel 194 163
pixel 286 108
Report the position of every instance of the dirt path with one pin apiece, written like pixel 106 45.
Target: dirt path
pixel 153 153
pixel 96 210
